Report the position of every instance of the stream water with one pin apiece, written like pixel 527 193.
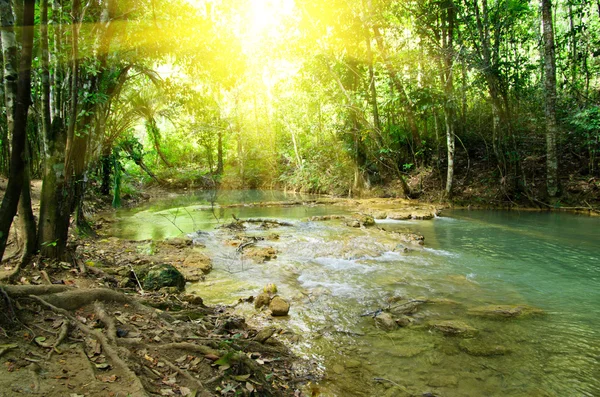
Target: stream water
pixel 333 274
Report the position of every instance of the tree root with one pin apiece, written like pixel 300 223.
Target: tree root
pixel 34 372
pixel 183 373
pixel 11 312
pixel 73 300
pixel 202 349
pixel 21 291
pixel 111 329
pixel 6 348
pixel 12 276
pixel 64 331
pixel 108 349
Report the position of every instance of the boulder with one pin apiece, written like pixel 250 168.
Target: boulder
pixel 478 348
pixel 454 328
pixel 263 299
pixel 380 215
pixel 385 322
pixel 404 321
pixel 353 223
pixel 409 307
pixel 179 242
pixel 412 238
pixel 198 260
pixel 193 299
pixel 399 216
pixel 504 311
pixel 161 276
pixel 365 220
pixel 260 254
pixel 279 306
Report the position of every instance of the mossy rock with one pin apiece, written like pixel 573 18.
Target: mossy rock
pixel 479 348
pixel 454 328
pixel 162 276
pixel 504 311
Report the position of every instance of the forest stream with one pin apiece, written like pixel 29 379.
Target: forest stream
pixel 503 303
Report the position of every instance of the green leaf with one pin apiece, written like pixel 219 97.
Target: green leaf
pixel 225 360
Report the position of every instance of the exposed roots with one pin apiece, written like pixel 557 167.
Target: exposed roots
pixel 109 350
pixel 21 291
pixel 183 373
pixel 73 300
pixel 64 331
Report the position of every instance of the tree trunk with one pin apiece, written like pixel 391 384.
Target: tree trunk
pixel 550 98
pixel 26 220
pixel 10 200
pixel 105 162
pixel 56 94
pixel 447 24
pixel 57 190
pixel 220 152
pixel 4 144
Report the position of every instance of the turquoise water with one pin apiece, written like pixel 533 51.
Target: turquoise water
pixel 332 274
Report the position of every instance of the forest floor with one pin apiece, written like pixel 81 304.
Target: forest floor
pixel 88 327
pixel 74 329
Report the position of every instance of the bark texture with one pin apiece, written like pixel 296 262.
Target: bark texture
pixel 10 201
pixel 550 97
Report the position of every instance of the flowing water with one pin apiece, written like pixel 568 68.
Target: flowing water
pixel 334 274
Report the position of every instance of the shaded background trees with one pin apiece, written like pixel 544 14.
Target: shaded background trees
pixel 426 98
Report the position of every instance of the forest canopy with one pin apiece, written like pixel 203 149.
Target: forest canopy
pixel 430 97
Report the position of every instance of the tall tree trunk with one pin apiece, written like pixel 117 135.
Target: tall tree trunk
pixel 26 220
pixel 552 183
pixel 57 74
pixel 57 191
pixel 4 144
pixel 220 152
pixel 10 200
pixel 447 24
pixel 372 88
pixel 10 50
pixel 53 200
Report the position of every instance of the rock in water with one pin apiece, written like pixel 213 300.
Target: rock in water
pixel 385 321
pixel 263 299
pixel 161 276
pixel 198 260
pixel 404 321
pixel 454 328
pixel 479 348
pixel 504 311
pixel 270 288
pixel 279 306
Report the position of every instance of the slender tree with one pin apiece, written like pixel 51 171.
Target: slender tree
pixel 10 200
pixel 550 99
